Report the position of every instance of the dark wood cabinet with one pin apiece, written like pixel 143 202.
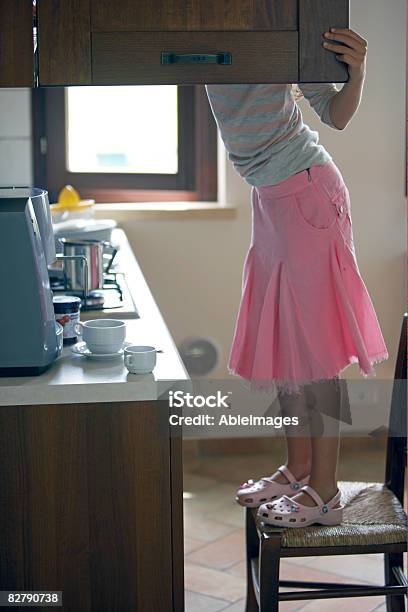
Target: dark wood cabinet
pixel 194 15
pixel 91 505
pixel 16 44
pixel 100 42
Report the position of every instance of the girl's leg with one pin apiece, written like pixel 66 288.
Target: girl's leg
pixel 324 403
pixel 298 440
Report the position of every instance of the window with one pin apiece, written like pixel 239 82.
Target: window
pixel 126 144
pixel 112 130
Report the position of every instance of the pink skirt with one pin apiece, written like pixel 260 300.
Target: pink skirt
pixel 305 313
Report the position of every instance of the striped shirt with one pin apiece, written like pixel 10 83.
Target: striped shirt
pixel 263 131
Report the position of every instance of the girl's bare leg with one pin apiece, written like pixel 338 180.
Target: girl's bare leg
pixel 324 401
pixel 298 440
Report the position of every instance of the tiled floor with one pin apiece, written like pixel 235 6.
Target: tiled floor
pixel 214 537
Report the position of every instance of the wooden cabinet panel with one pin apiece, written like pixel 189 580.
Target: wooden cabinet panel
pixel 134 57
pixel 86 505
pixel 16 44
pixel 192 15
pixel 315 18
pixel 64 42
pixel 102 42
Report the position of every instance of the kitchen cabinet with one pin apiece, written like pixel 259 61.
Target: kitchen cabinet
pixel 99 42
pixel 87 506
pixel 16 44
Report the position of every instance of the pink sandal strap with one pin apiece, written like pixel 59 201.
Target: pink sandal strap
pixel 287 473
pixel 313 494
pixel 332 503
pixel 294 483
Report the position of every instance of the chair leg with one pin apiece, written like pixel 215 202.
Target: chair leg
pixel 269 562
pixel 396 603
pixel 252 546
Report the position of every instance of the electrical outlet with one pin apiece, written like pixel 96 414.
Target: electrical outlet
pixel 362 394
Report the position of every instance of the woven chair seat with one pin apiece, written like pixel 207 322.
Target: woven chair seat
pixel 372 515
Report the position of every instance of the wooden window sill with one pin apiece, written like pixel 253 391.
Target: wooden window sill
pixel 164 211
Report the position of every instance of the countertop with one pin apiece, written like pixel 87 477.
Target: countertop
pixel 76 379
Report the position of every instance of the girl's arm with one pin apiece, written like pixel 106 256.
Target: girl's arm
pixel 352 50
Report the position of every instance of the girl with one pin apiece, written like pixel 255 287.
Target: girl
pixel 305 313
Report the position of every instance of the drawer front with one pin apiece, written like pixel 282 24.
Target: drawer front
pixel 194 15
pixel 127 58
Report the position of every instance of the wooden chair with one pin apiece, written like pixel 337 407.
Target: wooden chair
pixel 374 522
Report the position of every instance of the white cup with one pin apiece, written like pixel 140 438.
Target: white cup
pixel 140 359
pixel 102 335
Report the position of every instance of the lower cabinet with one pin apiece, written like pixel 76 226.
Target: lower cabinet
pixel 91 505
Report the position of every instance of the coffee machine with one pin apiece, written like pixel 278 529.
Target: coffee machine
pixel 28 334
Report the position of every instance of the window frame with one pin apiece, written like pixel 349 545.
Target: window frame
pixel 197 137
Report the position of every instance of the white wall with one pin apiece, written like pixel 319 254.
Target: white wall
pixel 194 267
pixel 15 137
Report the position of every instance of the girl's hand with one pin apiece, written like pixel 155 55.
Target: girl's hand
pixel 352 50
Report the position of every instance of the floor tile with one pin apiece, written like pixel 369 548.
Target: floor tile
pixel 197 482
pixel 284 606
pixel 366 465
pixel 239 606
pixel 201 603
pixel 300 560
pixel 291 606
pixel 361 567
pixel 290 571
pixel 236 469
pixel 230 513
pixel 357 604
pixel 222 553
pixel 191 544
pixel 210 500
pixel 213 583
pixel 238 569
pixel 204 529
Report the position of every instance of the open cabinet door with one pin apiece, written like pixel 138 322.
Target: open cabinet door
pixel 16 44
pixel 159 42
pixel 315 18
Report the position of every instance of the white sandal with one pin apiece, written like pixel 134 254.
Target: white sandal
pixel 285 512
pixel 252 494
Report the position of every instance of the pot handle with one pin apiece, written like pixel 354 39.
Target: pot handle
pixel 112 254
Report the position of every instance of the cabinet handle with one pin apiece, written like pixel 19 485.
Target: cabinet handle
pixel 196 58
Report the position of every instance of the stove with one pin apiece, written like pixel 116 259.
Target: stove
pixel 114 299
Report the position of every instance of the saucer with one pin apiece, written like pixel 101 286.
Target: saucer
pixel 80 348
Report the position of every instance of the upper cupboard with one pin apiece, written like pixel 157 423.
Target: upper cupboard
pixel 124 42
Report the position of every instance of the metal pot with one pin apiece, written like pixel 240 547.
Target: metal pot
pixel 86 278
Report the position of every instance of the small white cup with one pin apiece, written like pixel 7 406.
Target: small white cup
pixel 102 335
pixel 140 359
